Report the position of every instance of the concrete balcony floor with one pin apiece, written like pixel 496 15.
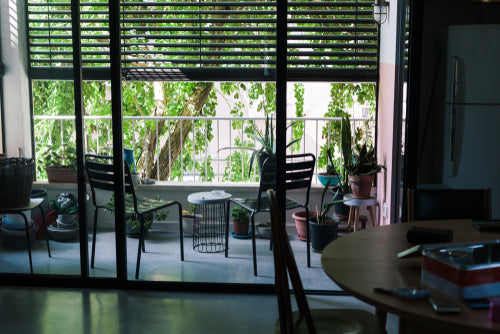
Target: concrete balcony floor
pixel 161 262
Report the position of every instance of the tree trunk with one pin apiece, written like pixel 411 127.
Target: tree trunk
pixel 175 141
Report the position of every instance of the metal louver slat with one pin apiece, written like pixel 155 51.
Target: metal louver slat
pixel 327 40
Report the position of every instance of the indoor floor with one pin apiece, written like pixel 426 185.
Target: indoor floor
pixel 57 310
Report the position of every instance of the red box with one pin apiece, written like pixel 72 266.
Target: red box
pixel 465 270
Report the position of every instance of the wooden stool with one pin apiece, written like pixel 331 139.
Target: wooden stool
pixel 342 228
pixel 354 204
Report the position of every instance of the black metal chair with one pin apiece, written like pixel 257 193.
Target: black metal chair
pixel 100 173
pixel 430 204
pixel 306 320
pixel 299 171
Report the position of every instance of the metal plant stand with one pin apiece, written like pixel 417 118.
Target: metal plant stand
pixel 210 229
pixel 34 203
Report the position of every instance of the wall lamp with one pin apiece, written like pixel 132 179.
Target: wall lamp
pixel 380 11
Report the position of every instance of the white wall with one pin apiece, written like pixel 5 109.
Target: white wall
pixel 16 88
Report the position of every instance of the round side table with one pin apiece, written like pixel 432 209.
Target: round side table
pixel 354 204
pixel 209 230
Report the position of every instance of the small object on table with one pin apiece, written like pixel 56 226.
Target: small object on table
pixel 210 230
pixel 444 305
pixel 354 204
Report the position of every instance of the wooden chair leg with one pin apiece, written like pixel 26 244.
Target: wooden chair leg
pixel 372 217
pixel 382 319
pixel 350 219
pixel 356 218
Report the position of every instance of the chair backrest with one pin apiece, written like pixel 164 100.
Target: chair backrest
pixel 429 204
pixel 101 175
pixel 284 265
pixel 299 171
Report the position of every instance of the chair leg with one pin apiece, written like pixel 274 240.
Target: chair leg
pixel 308 233
pixel 141 245
pixel 252 216
pixel 27 239
pixel 181 233
pixel 93 238
pixel 226 249
pixel 45 229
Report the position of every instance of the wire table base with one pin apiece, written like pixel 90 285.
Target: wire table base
pixel 209 230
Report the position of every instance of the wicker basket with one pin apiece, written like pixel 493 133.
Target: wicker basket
pixel 16 181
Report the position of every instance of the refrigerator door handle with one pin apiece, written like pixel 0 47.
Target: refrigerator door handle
pixel 453 126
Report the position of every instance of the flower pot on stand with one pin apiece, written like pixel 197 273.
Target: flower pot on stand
pixel 323 234
pixel 361 185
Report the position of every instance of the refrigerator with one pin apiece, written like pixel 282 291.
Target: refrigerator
pixel 471 144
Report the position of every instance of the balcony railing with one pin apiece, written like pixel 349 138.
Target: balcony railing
pixel 219 149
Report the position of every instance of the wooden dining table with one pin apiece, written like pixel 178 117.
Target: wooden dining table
pixel 359 261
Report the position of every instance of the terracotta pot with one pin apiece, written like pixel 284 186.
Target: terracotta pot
pixel 61 175
pixel 301 224
pixel 241 229
pixel 361 185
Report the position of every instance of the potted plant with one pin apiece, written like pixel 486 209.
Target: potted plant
pixel 66 207
pixel 323 228
pixel 360 164
pixel 65 228
pixel 136 176
pixel 133 224
pixel 266 140
pixel 59 163
pixel 241 221
pixel 264 229
pixel 331 172
pixel 160 216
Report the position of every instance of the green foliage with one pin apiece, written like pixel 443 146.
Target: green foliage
pixel 240 215
pixel 330 167
pixel 139 99
pixel 65 204
pixel 321 215
pixel 360 161
pixel 235 169
pixel 298 127
pixel 161 215
pixel 343 96
pixel 135 222
pixel 59 157
pixel 363 161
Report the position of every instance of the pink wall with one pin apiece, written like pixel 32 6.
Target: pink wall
pixel 385 140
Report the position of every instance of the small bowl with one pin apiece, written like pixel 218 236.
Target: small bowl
pixel 218 192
